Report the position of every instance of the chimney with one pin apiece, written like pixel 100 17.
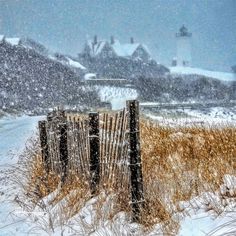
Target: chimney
pixel 132 40
pixel 112 40
pixel 95 40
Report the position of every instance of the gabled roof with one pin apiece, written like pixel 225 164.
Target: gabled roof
pixel 124 50
pixel 121 50
pixel 96 48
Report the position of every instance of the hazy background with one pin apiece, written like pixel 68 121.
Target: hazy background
pixel 64 25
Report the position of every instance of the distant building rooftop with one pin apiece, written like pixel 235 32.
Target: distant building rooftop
pixel 103 47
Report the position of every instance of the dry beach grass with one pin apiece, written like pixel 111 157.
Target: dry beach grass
pixel 179 163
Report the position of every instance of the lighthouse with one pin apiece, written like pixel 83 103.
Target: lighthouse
pixel 183 57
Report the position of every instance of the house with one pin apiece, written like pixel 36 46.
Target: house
pixel 112 49
pixel 97 48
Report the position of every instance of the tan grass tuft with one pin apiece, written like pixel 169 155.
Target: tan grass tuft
pixel 178 164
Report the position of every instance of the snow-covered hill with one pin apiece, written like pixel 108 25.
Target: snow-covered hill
pixel 26 43
pixel 224 76
pixel 32 81
pixel 29 43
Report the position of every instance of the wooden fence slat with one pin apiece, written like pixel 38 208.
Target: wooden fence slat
pixel 102 146
pixel 108 148
pixel 112 149
pixel 79 147
pixel 86 148
pixel 120 147
pixel 116 144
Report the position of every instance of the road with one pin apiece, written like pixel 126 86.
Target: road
pixel 14 132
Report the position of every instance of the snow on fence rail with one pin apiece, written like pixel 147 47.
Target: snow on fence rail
pixel 103 149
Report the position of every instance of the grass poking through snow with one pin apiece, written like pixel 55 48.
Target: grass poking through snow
pixel 178 164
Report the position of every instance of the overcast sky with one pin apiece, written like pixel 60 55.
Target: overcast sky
pixel 64 25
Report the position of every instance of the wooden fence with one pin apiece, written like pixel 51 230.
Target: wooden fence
pixel 103 149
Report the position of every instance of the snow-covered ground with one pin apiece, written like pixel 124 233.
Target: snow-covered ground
pixel 211 116
pixel 224 76
pixel 14 133
pixel 75 64
pixel 116 96
pixel 201 222
pixel 69 62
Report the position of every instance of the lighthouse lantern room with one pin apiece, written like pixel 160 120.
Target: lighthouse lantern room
pixel 183 47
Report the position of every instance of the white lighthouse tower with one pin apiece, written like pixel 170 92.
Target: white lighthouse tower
pixel 184 57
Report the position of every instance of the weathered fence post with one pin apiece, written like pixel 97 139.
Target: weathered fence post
pixel 135 159
pixel 63 150
pixel 94 151
pixel 44 144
